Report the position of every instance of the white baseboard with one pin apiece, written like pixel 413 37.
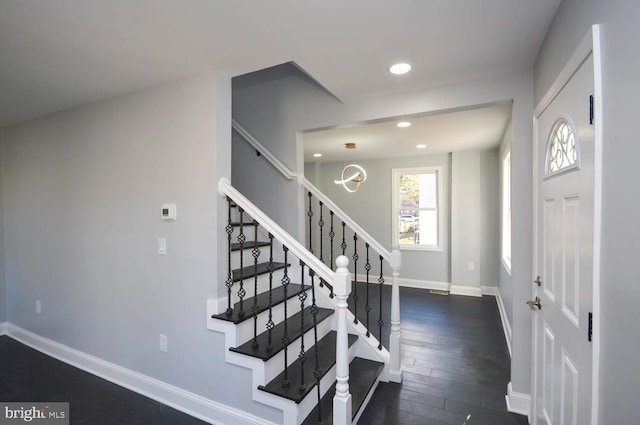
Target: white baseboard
pixel 3 328
pixel 192 404
pixel 506 326
pixel 519 403
pixel 469 291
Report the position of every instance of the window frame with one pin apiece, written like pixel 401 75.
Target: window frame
pixel 506 226
pixel 395 207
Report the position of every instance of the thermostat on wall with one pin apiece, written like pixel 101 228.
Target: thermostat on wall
pixel 168 212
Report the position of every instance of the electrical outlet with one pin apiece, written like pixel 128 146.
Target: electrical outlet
pixel 38 307
pixel 163 345
pixel 472 266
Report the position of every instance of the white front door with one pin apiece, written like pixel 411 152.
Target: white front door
pixel 563 295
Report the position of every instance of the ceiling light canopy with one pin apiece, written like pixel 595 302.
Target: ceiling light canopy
pixel 317 155
pixel 404 124
pixel 400 68
pixel 421 146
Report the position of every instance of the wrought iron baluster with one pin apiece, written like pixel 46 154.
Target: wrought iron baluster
pixel 270 324
pixel 229 282
pixel 285 336
pixel 241 239
pixel 367 307
pixel 317 372
pixel 310 215
pixel 321 226
pixel 354 284
pixel 302 296
pixel 343 245
pixel 255 252
pixel 380 321
pixel 332 235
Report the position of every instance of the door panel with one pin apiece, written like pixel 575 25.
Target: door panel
pixel 565 203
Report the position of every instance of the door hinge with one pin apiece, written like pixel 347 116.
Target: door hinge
pixel 590 333
pixel 591 109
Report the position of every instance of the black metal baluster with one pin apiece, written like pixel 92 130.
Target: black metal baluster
pixel 241 239
pixel 380 321
pixel 310 215
pixel 285 336
pixel 321 226
pixel 229 281
pixel 255 252
pixel 343 245
pixel 317 372
pixel 354 284
pixel 270 324
pixel 332 235
pixel 367 307
pixel 302 296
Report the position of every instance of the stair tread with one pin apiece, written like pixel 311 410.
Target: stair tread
pixel 248 245
pixel 251 271
pixel 277 296
pixel 244 223
pixel 326 360
pixel 294 332
pixel 362 376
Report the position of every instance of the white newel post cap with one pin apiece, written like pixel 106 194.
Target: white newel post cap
pixel 342 282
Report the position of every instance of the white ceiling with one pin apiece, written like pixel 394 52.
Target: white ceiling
pixel 59 54
pixel 478 128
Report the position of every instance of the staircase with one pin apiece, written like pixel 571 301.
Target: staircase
pixel 287 314
pixel 281 323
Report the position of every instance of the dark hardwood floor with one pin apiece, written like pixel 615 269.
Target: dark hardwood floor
pixel 453 351
pixel 455 362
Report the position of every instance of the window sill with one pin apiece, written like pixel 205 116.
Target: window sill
pixel 426 248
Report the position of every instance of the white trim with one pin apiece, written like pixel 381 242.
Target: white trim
pixel 597 218
pixel 3 328
pixel 192 404
pixel 519 403
pixel 469 291
pixel 506 326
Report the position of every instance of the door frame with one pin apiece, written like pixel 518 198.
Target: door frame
pixel 590 44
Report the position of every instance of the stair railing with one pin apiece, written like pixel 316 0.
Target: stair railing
pixel 339 279
pixel 342 228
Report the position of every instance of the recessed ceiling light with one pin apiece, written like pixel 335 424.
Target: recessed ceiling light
pixel 421 146
pixel 317 155
pixel 403 124
pixel 400 68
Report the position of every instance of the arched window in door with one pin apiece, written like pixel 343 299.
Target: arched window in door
pixel 563 153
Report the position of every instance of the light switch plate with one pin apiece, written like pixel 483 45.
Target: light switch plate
pixel 162 246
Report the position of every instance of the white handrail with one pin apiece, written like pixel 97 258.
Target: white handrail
pixel 324 272
pixel 386 254
pixel 263 151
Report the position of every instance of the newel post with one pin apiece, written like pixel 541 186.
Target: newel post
pixel 342 399
pixel 395 370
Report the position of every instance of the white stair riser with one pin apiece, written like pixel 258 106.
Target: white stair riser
pixel 247 256
pixel 244 330
pixel 275 365
pixel 263 285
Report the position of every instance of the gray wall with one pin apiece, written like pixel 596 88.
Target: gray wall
pixel 371 207
pixel 620 292
pixel 474 218
pixel 3 292
pixel 83 191
pixel 274 106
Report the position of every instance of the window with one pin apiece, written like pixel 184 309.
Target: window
pixel 562 149
pixel 506 210
pixel 417 217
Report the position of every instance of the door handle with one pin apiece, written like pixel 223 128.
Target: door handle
pixel 535 303
pixel 538 281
